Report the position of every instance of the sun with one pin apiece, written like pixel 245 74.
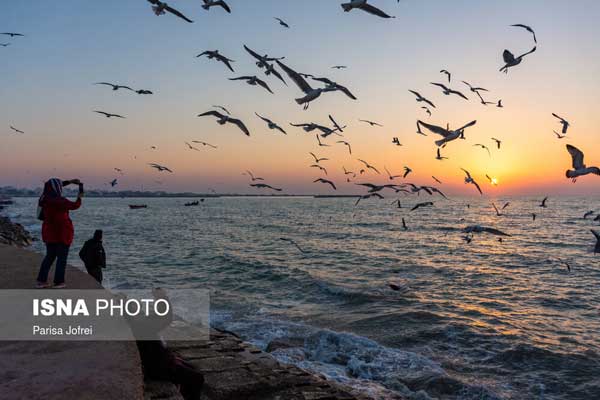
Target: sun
pixel 494 181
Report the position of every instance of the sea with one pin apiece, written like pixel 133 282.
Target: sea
pixel 471 319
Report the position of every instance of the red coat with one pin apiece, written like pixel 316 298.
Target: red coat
pixel 57 226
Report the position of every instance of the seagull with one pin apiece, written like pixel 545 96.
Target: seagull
pixel 396 141
pixel 109 115
pixel 439 156
pixel 321 168
pixel 223 109
pixel 419 205
pixel 543 203
pixel 447 91
pixel 265 186
pixel 492 182
pixel 113 183
pixel 529 29
pixel 325 181
pixel 421 98
pixel 370 122
pixel 263 62
pixel 511 61
pixel 191 147
pixel 469 179
pixel 368 196
pixel 448 135
pixel 254 178
pixel 559 136
pixel 376 188
pixel 219 3
pixel 223 119
pixel 143 91
pixel 320 143
pixel 564 122
pixel 271 124
pixel 483 147
pixel 483 229
pixel 436 179
pixel 309 127
pixel 114 86
pixel 15 129
pixel 310 93
pixel 474 89
pixel 392 177
pixel 253 81
pixel 329 84
pixel 369 166
pixel 427 110
pixel 407 171
pixel 210 54
pixel 505 205
pixel 579 168
pixel 339 67
pixel 448 74
pixel 346 144
pixel 498 142
pixel 318 160
pixel 293 243
pixel 335 124
pixel 363 5
pixel 534 216
pixel 11 34
pixel 499 105
pixel 485 103
pixel 587 214
pixel 282 22
pixel 4 44
pixel 597 235
pixel 160 168
pixel 497 212
pixel 204 143
pixel 160 7
pixel 119 170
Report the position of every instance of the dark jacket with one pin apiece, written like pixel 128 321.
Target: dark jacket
pixel 92 254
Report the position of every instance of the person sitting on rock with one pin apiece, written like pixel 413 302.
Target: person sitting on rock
pixel 93 256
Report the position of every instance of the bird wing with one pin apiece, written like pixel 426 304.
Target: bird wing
pixel 477 186
pixel 529 52
pixel 456 92
pixel 508 57
pixel 494 231
pixel 267 120
pixel 576 156
pixel 467 125
pixel 264 85
pixel 435 129
pixel 278 75
pixel 295 77
pixel 226 61
pixel 212 113
pixel 224 5
pixel 467 172
pixel 177 13
pixel 374 10
pixel 240 125
pixel 253 53
pixel 440 85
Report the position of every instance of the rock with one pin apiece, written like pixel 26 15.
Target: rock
pixel 284 343
pixel 14 234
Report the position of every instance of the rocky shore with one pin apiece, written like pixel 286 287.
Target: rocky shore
pixel 11 233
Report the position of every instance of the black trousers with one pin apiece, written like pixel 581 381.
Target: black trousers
pixel 95 272
pixel 54 252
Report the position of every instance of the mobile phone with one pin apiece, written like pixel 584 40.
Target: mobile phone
pixel 81 188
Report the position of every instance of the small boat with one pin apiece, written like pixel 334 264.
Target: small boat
pixel 191 204
pixel 137 206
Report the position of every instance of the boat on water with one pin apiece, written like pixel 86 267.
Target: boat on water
pixel 137 206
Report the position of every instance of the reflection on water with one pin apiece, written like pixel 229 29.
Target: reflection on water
pixel 487 319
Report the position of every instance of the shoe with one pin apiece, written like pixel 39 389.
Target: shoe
pixel 59 286
pixel 42 285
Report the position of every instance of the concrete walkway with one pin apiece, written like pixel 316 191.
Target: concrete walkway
pixel 63 370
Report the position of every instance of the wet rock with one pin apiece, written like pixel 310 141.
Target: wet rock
pixel 14 234
pixel 284 343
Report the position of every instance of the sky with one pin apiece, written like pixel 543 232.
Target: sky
pixel 47 90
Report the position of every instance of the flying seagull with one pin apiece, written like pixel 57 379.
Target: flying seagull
pixel 419 205
pixel 396 141
pixel 559 136
pixel 253 81
pixel 597 235
pixel 447 134
pixel 310 93
pixel 427 110
pixel 543 203
pixel 364 6
pixel 392 177
pixel 483 147
pixel 317 159
pixel 529 29
pixel 4 44
pixel 497 211
pixel 282 22
pixel 421 98
pixel 143 91
pixel 407 171
pixel 325 181
pixel 311 126
pixel 264 62
pixel 210 54
pixel 293 243
pixel 191 147
pixel 565 124
pixel 510 60
pixel 271 124
pixel 499 105
pixel 265 186
pixel 114 86
pixel 109 115
pixel 369 166
pixel 469 179
pixel 254 178
pixel 323 169
pixel 321 144
pixel 436 179
pixel 223 119
pixel 212 3
pixel 204 143
pixel 579 168
pixel 16 130
pixel 333 86
pixel 367 196
pixel 447 91
pixel 160 7
pixel 448 74
pixel 335 124
pixel 11 34
pixel 223 108
pixel 484 229
pixel 339 67
pixel 113 183
pixel 498 142
pixel 474 89
pixel 160 168
pixel 370 122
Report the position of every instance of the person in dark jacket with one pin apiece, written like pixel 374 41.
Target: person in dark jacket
pixel 57 229
pixel 93 256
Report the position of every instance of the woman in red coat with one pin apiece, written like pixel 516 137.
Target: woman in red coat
pixel 57 229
